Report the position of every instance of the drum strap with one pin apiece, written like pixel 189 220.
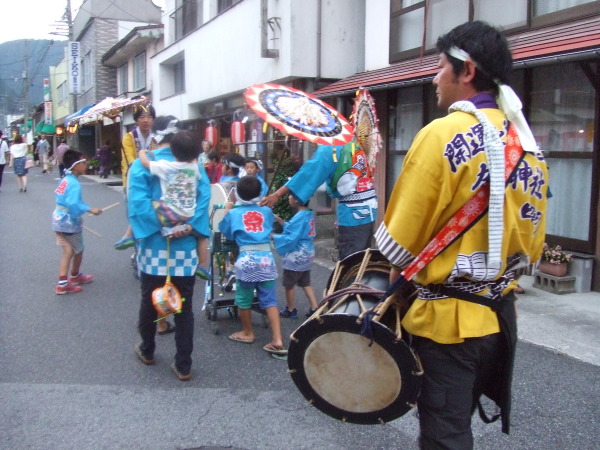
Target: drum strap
pixel 473 210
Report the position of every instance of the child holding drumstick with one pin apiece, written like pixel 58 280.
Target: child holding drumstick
pixel 67 223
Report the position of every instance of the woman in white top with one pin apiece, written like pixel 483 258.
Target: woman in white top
pixel 18 153
pixel 3 153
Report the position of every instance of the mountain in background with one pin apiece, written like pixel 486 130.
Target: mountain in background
pixel 39 55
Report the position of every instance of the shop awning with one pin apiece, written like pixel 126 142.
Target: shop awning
pixel 579 39
pixel 42 128
pixel 77 114
pixel 108 108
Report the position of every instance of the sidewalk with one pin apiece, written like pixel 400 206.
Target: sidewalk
pixel 569 324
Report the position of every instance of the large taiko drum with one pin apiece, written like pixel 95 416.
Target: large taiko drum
pixel 356 376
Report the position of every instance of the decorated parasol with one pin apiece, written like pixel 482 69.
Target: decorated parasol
pixel 299 114
pixel 365 122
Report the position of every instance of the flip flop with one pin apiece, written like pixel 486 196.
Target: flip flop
pixel 270 348
pixel 170 329
pixel 235 337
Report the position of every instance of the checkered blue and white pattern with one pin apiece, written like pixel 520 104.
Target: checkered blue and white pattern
pixel 181 264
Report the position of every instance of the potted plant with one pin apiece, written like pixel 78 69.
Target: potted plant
pixel 555 261
pixel 92 166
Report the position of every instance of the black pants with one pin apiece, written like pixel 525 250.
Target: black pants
pixel 453 381
pixel 184 321
pixel 1 172
pixel 354 239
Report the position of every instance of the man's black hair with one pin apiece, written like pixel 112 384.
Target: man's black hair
pixel 253 161
pixel 235 158
pixel 488 48
pixel 213 156
pixel 162 123
pixel 70 157
pixel 248 188
pixel 184 146
pixel 144 110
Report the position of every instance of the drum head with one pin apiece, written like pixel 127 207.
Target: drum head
pixel 220 193
pixel 336 370
pixel 376 275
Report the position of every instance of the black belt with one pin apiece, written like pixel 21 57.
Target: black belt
pixel 497 304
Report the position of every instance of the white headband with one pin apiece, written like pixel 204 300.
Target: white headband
pixel 73 165
pixel 159 135
pixel 509 103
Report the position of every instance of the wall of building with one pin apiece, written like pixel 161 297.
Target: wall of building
pixel 231 42
pixel 144 11
pixel 377 34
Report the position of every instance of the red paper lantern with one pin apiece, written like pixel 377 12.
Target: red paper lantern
pixel 238 132
pixel 211 134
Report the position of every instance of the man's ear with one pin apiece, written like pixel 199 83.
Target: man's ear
pixel 469 71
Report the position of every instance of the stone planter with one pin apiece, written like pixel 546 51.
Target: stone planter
pixel 556 270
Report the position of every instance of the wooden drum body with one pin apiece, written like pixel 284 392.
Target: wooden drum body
pixel 350 371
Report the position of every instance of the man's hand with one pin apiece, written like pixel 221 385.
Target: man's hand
pixel 270 200
pixel 95 211
pixel 182 232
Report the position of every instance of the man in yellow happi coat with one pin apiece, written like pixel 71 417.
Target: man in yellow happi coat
pixel 466 348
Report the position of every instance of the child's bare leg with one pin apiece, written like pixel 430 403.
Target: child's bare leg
pixel 128 231
pixel 290 298
pixel 77 259
pixel 247 333
pixel 275 324
pixel 65 261
pixel 310 295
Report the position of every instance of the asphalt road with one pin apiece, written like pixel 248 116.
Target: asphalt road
pixel 69 378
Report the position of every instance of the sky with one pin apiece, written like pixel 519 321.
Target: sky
pixel 35 19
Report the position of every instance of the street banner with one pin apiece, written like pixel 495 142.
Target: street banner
pixel 74 61
pixel 48 113
pixel 46 89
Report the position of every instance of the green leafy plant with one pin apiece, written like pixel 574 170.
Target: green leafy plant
pixel 93 164
pixel 289 166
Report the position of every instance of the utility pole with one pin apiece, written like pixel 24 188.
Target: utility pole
pixel 26 83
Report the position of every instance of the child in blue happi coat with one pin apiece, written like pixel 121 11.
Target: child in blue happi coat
pixel 295 245
pixel 250 226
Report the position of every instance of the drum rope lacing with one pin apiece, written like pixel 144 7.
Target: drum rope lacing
pixel 357 290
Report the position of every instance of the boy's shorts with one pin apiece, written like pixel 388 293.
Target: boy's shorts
pixel 73 240
pixel 292 278
pixel 265 291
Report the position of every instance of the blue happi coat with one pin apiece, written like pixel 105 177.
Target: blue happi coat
pixel 250 226
pixel 295 244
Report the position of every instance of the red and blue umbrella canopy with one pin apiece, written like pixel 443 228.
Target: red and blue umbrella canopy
pixel 299 114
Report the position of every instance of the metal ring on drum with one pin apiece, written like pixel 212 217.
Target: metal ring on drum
pixel 372 268
pixel 340 373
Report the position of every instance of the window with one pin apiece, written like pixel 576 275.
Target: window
pixel 86 70
pixel 122 76
pixel 63 93
pixel 139 72
pixel 562 116
pixel 541 7
pixel 226 4
pixel 188 16
pixel 179 76
pixel 172 76
pixel 408 19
